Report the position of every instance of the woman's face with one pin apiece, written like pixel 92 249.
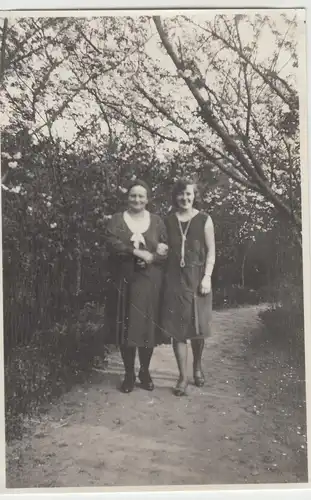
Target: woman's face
pixel 137 198
pixel 186 198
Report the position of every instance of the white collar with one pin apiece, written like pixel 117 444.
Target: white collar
pixel 137 227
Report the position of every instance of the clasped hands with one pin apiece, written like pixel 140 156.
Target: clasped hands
pixel 146 257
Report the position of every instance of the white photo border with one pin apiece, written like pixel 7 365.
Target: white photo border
pixel 234 492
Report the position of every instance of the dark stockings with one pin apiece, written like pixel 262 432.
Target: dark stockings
pixel 145 355
pixel 129 354
pixel 197 350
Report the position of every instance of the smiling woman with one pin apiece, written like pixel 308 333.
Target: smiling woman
pixel 136 240
pixel 187 300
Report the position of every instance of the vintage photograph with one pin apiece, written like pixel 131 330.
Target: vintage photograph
pixel 152 242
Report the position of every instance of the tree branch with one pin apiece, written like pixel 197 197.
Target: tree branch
pixel 247 88
pixel 3 47
pixel 55 114
pixel 209 118
pixel 18 49
pixel 96 49
pixel 229 143
pixel 229 172
pixel 103 111
pixel 160 108
pixel 288 101
pixel 153 131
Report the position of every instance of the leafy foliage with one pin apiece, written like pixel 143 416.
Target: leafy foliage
pixel 50 363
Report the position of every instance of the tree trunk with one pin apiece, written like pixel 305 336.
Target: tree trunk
pixel 79 266
pixel 243 270
pixel 3 48
pixel 247 248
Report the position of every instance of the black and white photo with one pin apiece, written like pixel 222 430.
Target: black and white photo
pixel 152 246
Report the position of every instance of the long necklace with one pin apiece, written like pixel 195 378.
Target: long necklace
pixel 183 241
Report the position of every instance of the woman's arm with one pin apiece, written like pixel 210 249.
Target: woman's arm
pixel 209 236
pixel 114 243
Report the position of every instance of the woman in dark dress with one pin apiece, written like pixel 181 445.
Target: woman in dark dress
pixel 136 241
pixel 187 301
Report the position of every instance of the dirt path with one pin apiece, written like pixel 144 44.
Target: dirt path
pixel 246 426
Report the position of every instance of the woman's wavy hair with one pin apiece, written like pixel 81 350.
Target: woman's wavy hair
pixel 180 186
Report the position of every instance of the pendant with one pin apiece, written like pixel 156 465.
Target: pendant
pixel 182 263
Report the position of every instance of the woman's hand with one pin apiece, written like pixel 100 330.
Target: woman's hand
pixel 162 249
pixel 145 255
pixel 206 285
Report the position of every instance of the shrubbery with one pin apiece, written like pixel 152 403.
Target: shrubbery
pixel 284 320
pixel 50 364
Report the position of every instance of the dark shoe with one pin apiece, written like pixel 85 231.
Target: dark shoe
pixel 128 383
pixel 199 379
pixel 181 388
pixel 146 380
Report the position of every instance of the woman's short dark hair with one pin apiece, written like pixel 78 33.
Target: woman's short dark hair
pixel 139 182
pixel 180 186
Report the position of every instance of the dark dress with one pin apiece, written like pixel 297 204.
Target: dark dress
pixel 133 297
pixel 186 314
